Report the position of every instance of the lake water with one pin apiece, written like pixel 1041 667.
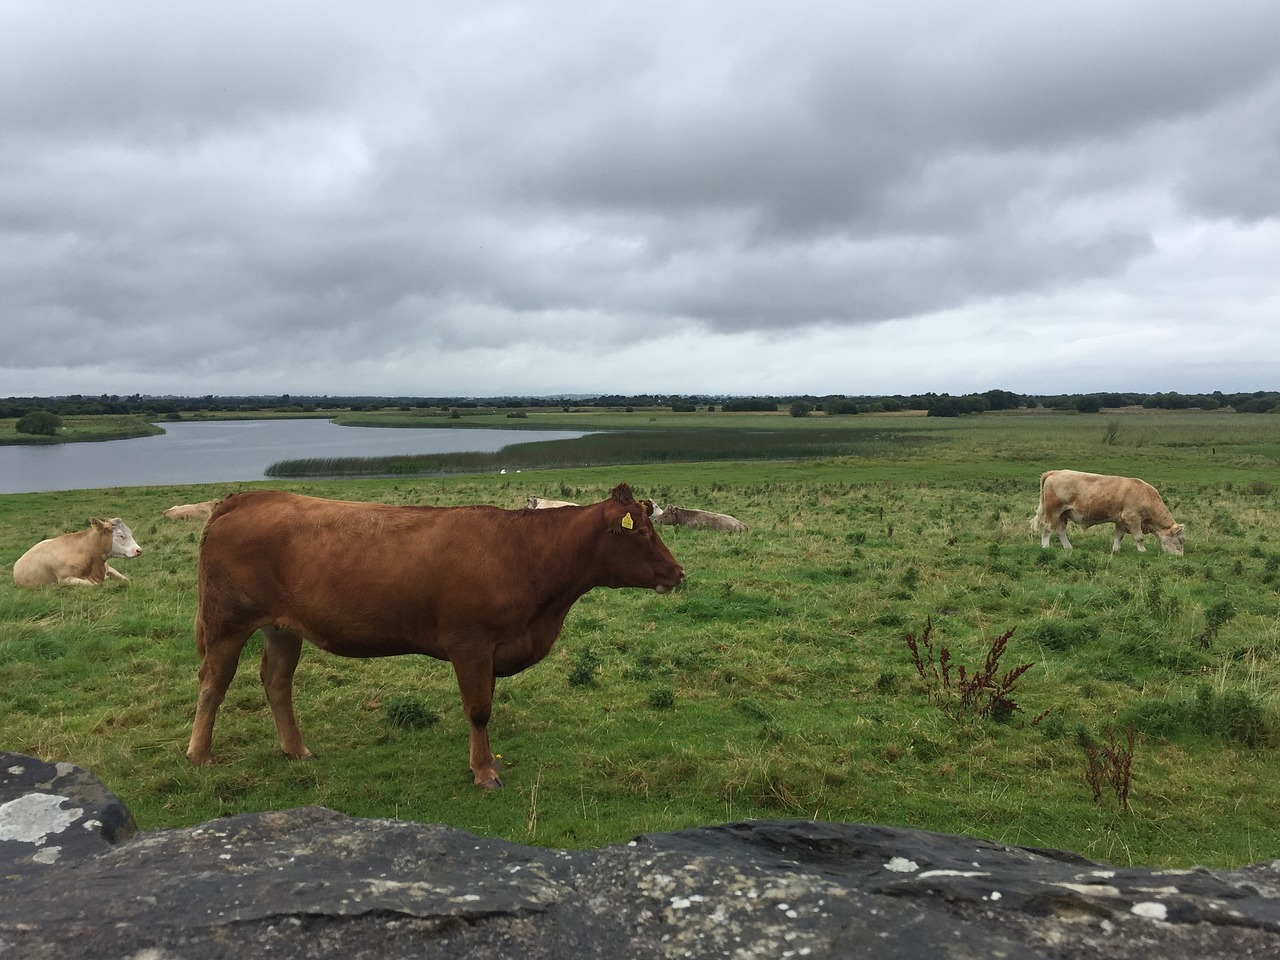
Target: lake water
pixel 230 450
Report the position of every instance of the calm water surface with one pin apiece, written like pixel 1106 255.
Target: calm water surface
pixel 230 450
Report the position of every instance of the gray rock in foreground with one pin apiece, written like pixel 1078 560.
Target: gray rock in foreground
pixel 313 883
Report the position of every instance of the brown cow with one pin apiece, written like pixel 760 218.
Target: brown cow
pixel 700 520
pixel 484 588
pixel 79 557
pixel 1133 505
pixel 191 511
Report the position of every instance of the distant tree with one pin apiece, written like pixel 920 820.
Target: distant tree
pixel 801 409
pixel 947 407
pixel 40 423
pixel 1003 400
pixel 750 404
pixel 1089 404
pixel 1252 405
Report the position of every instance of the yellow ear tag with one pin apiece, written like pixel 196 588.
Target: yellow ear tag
pixel 627 522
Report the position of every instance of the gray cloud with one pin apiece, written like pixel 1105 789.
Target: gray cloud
pixel 508 198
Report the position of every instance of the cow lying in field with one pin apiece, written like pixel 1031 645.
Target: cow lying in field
pixel 542 503
pixel 191 511
pixel 700 520
pixel 79 557
pixel 1133 505
pixel 484 588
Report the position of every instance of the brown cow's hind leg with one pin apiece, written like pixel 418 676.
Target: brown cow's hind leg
pixel 219 658
pixel 280 651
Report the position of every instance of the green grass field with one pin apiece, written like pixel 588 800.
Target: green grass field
pixel 777 682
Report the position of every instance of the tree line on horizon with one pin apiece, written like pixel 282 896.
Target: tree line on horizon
pixel 37 411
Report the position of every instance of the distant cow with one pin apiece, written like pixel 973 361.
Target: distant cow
pixel 79 557
pixel 1133 505
pixel 700 520
pixel 191 511
pixel 484 588
pixel 542 503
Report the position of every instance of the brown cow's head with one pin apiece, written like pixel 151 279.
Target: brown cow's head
pixel 635 555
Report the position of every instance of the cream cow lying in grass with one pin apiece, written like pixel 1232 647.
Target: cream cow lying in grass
pixel 191 511
pixel 1133 505
pixel 79 557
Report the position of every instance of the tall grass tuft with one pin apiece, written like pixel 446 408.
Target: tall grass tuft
pixel 961 692
pixel 1109 763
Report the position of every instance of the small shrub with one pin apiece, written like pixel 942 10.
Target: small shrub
pixel 887 682
pixel 661 698
pixel 754 710
pixel 41 423
pixel 409 713
pixel 1215 617
pixel 585 662
pixel 1166 719
pixel 1232 715
pixel 1062 634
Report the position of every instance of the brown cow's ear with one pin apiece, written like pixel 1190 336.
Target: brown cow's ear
pixel 99 523
pixel 622 493
pixel 625 522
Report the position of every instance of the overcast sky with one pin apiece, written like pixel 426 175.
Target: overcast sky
pixel 491 198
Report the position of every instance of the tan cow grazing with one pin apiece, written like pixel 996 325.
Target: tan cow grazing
pixel 700 520
pixel 191 511
pixel 1133 505
pixel 79 557
pixel 484 588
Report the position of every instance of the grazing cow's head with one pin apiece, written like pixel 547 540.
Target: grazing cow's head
pixel 1171 540
pixel 635 555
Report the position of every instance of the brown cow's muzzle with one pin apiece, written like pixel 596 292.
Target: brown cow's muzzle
pixel 675 581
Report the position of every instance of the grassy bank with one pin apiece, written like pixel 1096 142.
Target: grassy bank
pixel 83 429
pixel 777 683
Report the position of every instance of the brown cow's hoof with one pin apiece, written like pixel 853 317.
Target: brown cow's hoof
pixel 493 783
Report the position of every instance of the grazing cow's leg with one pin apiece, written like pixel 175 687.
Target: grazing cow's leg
pixel 1133 524
pixel 1119 537
pixel 1061 530
pixel 475 682
pixel 280 651
pixel 77 581
pixel 111 571
pixel 219 658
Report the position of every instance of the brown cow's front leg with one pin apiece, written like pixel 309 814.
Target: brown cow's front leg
pixel 475 682
pixel 219 658
pixel 280 651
